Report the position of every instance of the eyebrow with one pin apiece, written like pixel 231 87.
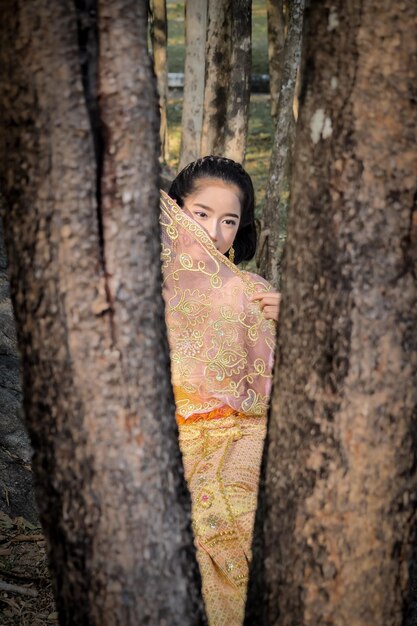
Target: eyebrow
pixel 207 208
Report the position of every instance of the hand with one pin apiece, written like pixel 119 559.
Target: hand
pixel 269 302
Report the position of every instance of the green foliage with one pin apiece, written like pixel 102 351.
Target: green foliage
pixel 259 38
pixel 176 36
pixel 258 151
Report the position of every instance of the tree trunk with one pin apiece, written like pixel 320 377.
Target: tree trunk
pixel 341 469
pixel 216 102
pixel 194 80
pixel 277 195
pixel 159 38
pixel 236 130
pixel 218 59
pixel 277 11
pixel 86 288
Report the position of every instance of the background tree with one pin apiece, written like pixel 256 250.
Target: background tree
pixel 274 217
pixel 216 101
pixel 277 13
pixel 238 93
pixel 85 273
pixel 218 58
pixel 341 462
pixel 159 39
pixel 194 80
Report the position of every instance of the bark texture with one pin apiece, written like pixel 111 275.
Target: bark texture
pixel 217 79
pixel 236 129
pixel 81 228
pixel 341 469
pixel 218 58
pixel 277 12
pixel 194 80
pixel 159 38
pixel 277 194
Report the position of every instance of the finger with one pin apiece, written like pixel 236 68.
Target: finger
pixel 269 301
pixel 273 296
pixel 270 312
pixel 263 305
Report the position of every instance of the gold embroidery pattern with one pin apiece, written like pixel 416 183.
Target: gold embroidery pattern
pixel 226 453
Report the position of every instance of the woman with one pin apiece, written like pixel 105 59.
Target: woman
pixel 222 341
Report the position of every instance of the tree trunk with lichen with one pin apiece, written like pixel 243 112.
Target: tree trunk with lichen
pixel 217 79
pixel 237 117
pixel 277 12
pixel 81 221
pixel 274 218
pixel 341 462
pixel 227 83
pixel 218 56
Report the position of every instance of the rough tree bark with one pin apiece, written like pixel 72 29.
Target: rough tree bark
pixel 236 129
pixel 159 39
pixel 217 76
pixel 274 218
pixel 85 276
pixel 194 80
pixel 277 11
pixel 341 463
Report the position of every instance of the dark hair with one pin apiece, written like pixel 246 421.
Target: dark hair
pixel 230 172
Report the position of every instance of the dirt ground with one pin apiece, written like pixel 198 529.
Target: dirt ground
pixel 26 597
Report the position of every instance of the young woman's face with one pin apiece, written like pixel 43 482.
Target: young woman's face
pixel 215 205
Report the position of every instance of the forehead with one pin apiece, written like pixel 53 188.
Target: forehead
pixel 214 191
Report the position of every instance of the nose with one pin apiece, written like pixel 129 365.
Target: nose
pixel 212 230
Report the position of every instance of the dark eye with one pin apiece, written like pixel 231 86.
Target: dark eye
pixel 230 222
pixel 200 213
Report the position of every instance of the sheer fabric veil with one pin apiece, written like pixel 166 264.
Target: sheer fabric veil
pixel 222 347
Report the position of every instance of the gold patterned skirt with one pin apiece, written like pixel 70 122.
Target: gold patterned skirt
pixel 222 454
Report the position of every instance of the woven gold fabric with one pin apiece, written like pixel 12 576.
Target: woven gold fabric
pixel 221 461
pixel 221 359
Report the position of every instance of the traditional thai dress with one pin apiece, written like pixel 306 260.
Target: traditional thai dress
pixel 221 358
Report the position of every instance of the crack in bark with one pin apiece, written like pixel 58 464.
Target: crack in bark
pixel 88 47
pixel 409 242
